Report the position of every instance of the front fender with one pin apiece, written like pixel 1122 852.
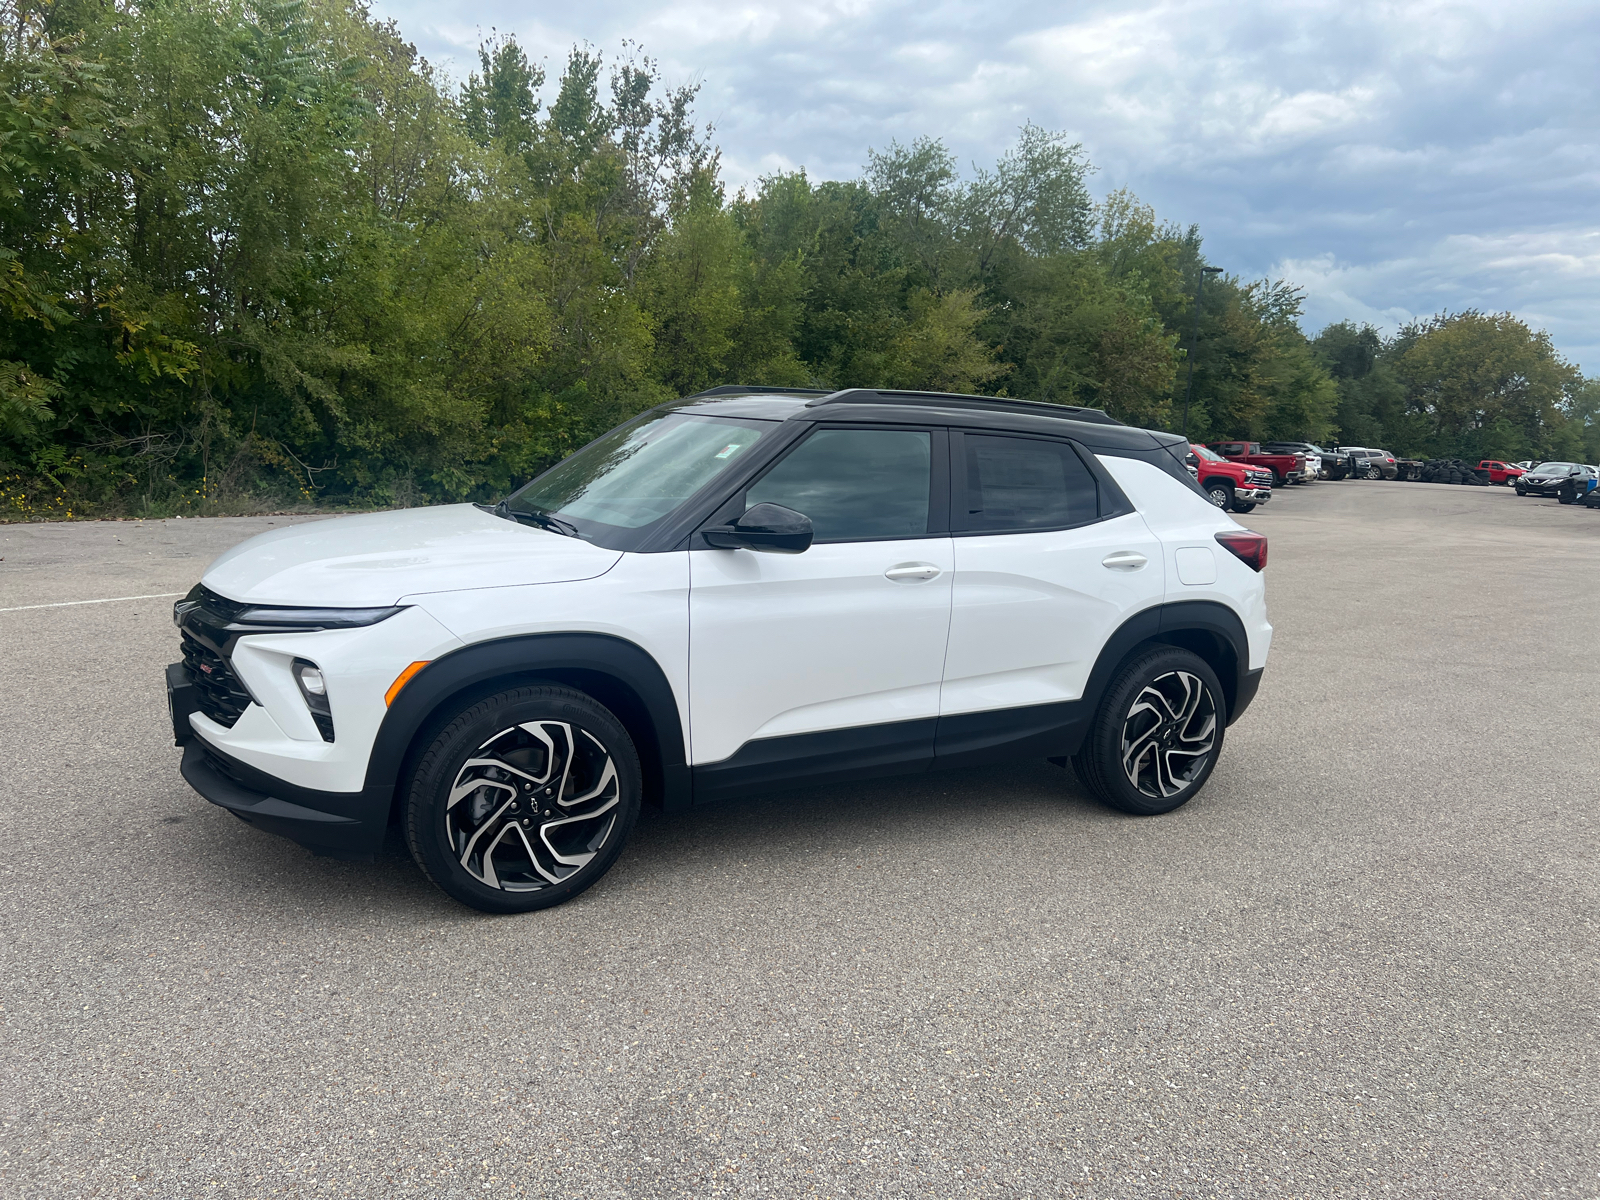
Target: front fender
pixel 616 672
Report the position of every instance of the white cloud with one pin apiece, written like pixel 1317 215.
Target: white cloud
pixel 1395 158
pixel 1550 278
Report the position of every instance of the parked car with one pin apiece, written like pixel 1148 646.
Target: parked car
pixel 1380 464
pixel 743 590
pixel 1500 472
pixel 1356 461
pixel 1285 468
pixel 1579 487
pixel 1313 454
pixel 1573 480
pixel 1229 485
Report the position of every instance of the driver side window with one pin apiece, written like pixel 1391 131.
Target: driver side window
pixel 855 484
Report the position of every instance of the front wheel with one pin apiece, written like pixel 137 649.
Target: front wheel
pixel 1567 495
pixel 524 799
pixel 1521 491
pixel 1157 734
pixel 1219 494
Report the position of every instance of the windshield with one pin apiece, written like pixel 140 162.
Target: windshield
pixel 640 472
pixel 1555 468
pixel 1206 453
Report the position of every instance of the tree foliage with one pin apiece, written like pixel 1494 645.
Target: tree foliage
pixel 262 247
pixel 1471 385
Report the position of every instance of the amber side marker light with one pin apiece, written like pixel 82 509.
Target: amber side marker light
pixel 1248 546
pixel 401 680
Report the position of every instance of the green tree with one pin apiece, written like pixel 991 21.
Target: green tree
pixel 1487 385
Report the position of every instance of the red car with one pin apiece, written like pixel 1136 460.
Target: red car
pixel 1285 468
pixel 1501 472
pixel 1229 485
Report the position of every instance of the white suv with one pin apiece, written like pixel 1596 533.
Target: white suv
pixel 743 590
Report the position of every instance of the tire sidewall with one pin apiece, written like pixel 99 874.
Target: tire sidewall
pixel 436 771
pixel 1225 492
pixel 1105 739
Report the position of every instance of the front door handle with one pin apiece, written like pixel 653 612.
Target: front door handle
pixel 911 572
pixel 1124 560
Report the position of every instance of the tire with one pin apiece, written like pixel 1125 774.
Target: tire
pixel 1278 480
pixel 1244 508
pixel 1220 494
pixel 1567 495
pixel 1165 697
pixel 1521 491
pixel 579 798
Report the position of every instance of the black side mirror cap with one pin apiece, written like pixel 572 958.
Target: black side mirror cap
pixel 767 527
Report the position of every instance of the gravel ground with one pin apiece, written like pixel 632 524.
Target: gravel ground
pixel 1363 963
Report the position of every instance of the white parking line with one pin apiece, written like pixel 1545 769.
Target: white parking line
pixel 107 600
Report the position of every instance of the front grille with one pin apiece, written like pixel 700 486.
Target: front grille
pixel 221 695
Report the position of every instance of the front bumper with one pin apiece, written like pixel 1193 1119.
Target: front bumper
pixel 346 825
pixel 1253 495
pixel 336 824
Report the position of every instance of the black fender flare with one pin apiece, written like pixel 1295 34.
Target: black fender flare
pixel 616 672
pixel 1212 630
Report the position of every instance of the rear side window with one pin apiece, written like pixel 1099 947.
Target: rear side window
pixel 1017 483
pixel 855 484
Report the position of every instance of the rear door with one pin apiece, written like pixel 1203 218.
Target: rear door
pixel 1042 580
pixel 836 654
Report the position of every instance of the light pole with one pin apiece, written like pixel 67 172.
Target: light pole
pixel 1194 343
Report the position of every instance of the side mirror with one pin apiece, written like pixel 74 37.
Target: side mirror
pixel 768 527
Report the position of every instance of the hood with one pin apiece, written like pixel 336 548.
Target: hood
pixel 372 560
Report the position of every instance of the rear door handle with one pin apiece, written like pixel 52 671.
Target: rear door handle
pixel 1124 560
pixel 911 572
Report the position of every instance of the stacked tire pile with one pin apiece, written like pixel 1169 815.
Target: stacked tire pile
pixel 1450 470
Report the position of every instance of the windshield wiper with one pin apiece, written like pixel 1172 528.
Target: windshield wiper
pixel 539 520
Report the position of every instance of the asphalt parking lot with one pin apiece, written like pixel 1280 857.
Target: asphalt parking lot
pixel 1362 963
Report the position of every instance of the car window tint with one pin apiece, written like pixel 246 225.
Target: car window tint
pixel 855 483
pixel 1024 483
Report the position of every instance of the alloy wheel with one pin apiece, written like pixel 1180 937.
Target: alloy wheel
pixel 1218 497
pixel 1169 734
pixel 532 806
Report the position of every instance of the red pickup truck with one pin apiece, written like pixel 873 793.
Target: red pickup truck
pixel 1229 485
pixel 1500 472
pixel 1285 468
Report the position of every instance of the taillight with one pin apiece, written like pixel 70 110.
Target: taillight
pixel 1248 546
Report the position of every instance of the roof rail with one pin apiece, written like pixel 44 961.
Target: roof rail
pixel 755 389
pixel 952 400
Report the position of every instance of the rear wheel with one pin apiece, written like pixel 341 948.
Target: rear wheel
pixel 1219 494
pixel 524 799
pixel 1157 734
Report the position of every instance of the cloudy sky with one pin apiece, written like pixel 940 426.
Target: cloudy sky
pixel 1394 159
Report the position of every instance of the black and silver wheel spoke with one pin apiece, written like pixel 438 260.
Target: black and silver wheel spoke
pixel 532 806
pixel 1169 734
